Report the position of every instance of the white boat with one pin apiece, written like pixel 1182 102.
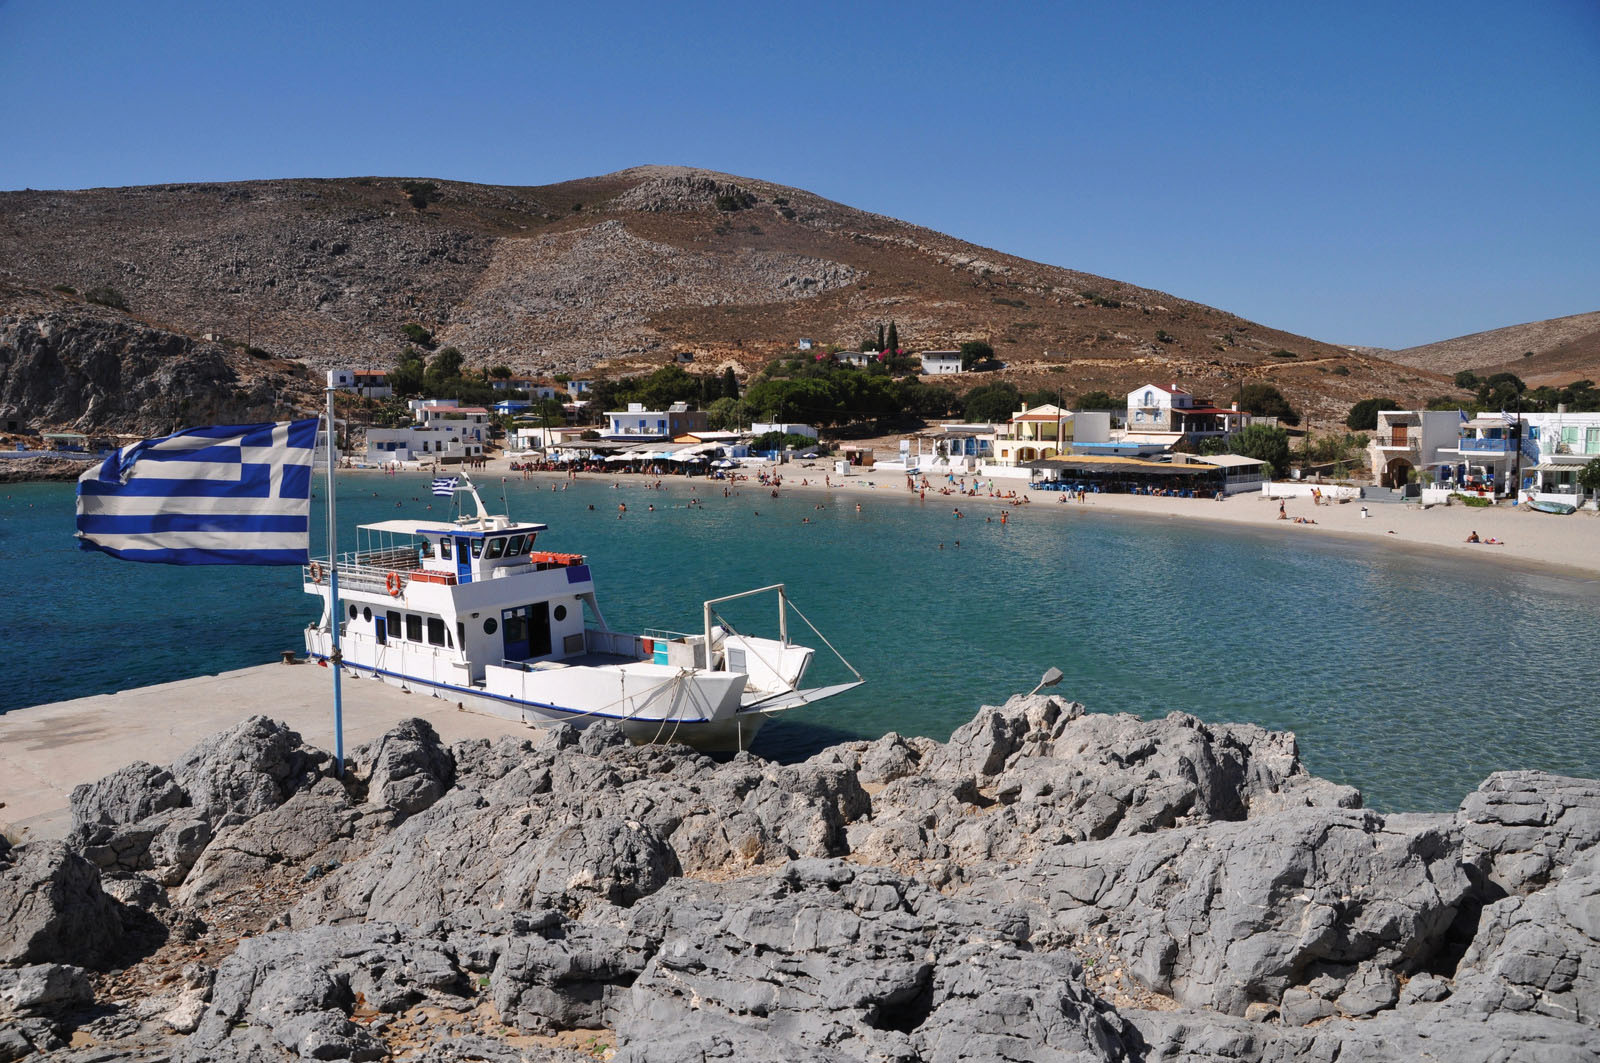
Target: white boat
pixel 469 611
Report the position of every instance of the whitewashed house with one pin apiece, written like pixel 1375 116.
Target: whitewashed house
pixel 940 363
pixel 1165 415
pixel 368 383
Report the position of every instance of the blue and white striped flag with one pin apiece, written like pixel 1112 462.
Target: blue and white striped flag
pixel 223 495
pixel 444 485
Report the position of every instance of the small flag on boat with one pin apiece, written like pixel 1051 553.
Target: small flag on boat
pixel 444 485
pixel 221 495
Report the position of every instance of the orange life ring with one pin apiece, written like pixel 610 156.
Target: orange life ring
pixel 394 584
pixel 316 572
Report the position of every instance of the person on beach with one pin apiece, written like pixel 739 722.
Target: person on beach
pixel 1282 513
pixel 1473 537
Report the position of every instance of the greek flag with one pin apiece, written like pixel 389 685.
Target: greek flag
pixel 223 495
pixel 444 485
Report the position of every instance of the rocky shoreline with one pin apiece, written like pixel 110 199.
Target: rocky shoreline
pixel 1050 884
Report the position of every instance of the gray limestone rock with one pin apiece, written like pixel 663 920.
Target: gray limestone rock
pixel 52 909
pixel 827 960
pixel 1521 829
pixel 321 822
pixel 42 989
pixel 1036 772
pixel 249 768
pixel 1539 954
pixel 1225 915
pixel 127 795
pixel 293 993
pixel 408 768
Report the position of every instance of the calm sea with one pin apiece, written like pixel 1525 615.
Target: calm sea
pixel 1409 676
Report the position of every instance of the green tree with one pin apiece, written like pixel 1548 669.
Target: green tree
pixel 443 377
pixel 1269 443
pixel 1500 390
pixel 1467 380
pixel 417 334
pixel 894 338
pixel 501 372
pixel 1363 416
pixel 992 403
pixel 1099 400
pixel 730 383
pixel 881 340
pixel 406 377
pixel 973 352
pixel 1589 476
pixel 420 193
pixel 1264 400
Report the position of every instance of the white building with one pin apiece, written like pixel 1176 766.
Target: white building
pixel 368 383
pixel 940 363
pixel 1567 442
pixel 760 429
pixel 1165 415
pixel 638 424
pixel 444 431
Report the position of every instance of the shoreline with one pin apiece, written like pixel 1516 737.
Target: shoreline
pixel 1531 541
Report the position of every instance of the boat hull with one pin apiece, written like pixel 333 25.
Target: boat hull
pixel 728 732
pixel 1560 508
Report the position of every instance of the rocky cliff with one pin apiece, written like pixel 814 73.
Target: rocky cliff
pixel 1048 885
pixel 96 370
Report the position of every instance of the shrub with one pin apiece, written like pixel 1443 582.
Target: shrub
pixel 420 193
pixel 1000 301
pixel 1264 400
pixel 1284 354
pixel 106 297
pixel 1363 415
pixel 1099 400
pixel 1267 443
pixel 417 334
pixel 1163 336
pixel 1468 380
pixel 1110 304
pixel 975 351
pixel 1340 370
pixel 1589 476
pixel 734 199
pixel 65 289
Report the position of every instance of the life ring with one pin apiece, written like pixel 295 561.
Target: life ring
pixel 394 584
pixel 316 572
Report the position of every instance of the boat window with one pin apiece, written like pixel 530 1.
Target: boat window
pixel 366 614
pixel 352 612
pixel 435 631
pixel 427 548
pixel 561 612
pixel 477 548
pixel 394 624
pixel 490 626
pixel 515 545
pixel 461 633
pixel 495 548
pixel 444 547
pixel 413 627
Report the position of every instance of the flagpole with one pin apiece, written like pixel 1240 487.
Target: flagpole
pixel 335 659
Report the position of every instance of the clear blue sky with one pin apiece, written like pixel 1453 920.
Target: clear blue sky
pixel 1374 173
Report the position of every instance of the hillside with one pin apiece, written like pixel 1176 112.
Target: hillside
pixel 612 274
pixel 1556 351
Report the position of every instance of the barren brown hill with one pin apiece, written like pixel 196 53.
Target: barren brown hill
pixel 1555 351
pixel 615 273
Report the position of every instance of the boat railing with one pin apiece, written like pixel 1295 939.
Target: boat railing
pixel 661 634
pixel 613 643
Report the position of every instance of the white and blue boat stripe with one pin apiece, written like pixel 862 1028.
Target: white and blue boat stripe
pixel 220 495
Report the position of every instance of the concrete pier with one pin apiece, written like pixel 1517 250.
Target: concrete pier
pixel 47 750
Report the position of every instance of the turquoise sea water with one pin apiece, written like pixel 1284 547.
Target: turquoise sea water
pixel 1407 675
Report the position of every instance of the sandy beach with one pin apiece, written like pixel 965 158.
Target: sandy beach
pixel 1525 537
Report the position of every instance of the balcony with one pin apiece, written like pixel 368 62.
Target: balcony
pixel 1486 446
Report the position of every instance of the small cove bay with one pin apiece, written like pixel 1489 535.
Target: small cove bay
pixel 1409 676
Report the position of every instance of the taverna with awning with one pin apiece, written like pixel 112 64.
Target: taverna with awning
pixel 1195 474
